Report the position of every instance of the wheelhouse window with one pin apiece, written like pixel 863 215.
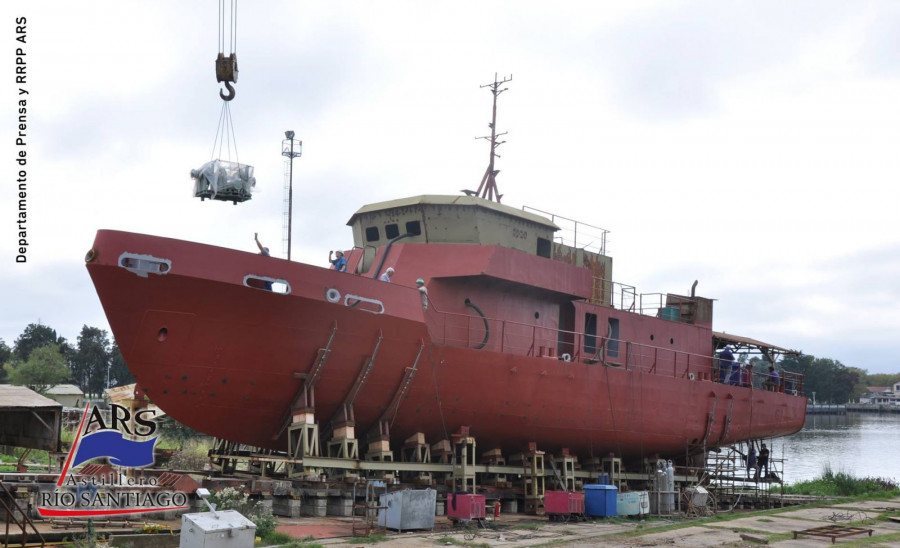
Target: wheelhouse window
pixel 391 231
pixel 543 248
pixel 414 228
pixel 372 234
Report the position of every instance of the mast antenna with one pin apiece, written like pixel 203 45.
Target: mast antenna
pixel 488 187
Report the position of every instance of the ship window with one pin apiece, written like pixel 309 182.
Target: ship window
pixel 372 234
pixel 391 231
pixel 613 345
pixel 590 333
pixel 543 248
pixel 414 228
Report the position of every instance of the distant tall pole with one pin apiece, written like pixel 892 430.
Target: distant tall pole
pixel 290 148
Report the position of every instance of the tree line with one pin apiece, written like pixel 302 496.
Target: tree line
pixel 831 381
pixel 41 359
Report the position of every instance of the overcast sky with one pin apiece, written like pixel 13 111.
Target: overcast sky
pixel 752 146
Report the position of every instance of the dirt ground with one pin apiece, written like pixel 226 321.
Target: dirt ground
pixel 726 529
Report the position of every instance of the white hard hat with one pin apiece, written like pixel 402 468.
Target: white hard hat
pixel 390 270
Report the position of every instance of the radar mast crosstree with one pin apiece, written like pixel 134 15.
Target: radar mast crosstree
pixel 488 187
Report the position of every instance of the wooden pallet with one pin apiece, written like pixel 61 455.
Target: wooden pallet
pixel 833 532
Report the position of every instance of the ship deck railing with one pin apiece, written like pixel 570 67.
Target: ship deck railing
pixel 575 233
pixel 510 337
pixel 625 297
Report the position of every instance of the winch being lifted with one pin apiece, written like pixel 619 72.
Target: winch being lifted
pixel 221 178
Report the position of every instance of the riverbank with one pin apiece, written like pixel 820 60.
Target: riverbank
pixel 771 527
pixel 843 408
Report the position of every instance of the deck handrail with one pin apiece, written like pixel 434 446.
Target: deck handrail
pixel 592 244
pixel 519 338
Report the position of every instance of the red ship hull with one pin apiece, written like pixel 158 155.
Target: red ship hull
pixel 229 360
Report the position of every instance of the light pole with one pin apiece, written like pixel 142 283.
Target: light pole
pixel 290 148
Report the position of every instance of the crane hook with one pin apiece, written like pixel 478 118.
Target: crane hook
pixel 230 95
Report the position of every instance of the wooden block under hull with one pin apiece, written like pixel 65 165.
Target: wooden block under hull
pixel 303 417
pixel 344 432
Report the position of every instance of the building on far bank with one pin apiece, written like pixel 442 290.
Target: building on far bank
pixel 882 395
pixel 68 395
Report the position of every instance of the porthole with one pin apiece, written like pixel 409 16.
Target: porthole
pixel 332 295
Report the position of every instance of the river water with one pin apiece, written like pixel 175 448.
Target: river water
pixel 859 444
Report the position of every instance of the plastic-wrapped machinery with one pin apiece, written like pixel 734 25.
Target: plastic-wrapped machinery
pixel 226 181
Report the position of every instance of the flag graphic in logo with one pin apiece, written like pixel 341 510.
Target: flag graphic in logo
pixel 113 445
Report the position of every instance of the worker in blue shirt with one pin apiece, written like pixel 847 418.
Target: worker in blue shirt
pixel 340 263
pixel 726 359
pixel 773 383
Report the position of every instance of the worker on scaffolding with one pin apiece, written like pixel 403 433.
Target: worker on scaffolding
pixel 762 462
pixel 751 460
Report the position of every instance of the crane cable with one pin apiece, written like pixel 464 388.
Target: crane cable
pixel 226 67
pixel 225 131
pixel 232 31
pixel 226 71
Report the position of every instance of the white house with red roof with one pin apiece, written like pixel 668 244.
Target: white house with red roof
pixel 882 395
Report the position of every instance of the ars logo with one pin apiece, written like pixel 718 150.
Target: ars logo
pixel 99 437
pixel 110 441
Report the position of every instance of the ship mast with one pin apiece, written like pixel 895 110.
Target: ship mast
pixel 488 187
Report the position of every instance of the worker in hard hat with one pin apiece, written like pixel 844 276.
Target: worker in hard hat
pixel 420 284
pixel 386 277
pixel 339 263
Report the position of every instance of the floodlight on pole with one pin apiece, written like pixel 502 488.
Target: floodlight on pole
pixel 290 148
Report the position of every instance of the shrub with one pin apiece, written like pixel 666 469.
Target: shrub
pixel 231 498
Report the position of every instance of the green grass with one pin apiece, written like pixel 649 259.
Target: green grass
pixel 304 543
pixel 371 539
pixel 275 538
pixel 841 484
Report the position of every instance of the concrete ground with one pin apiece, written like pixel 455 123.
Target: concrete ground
pixel 754 528
pixel 726 529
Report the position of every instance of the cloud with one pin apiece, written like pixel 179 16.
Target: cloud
pixel 750 146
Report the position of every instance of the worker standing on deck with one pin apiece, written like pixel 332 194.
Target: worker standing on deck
pixel 386 277
pixel 735 373
pixel 339 263
pixel 726 358
pixel 773 383
pixel 746 375
pixel 420 283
